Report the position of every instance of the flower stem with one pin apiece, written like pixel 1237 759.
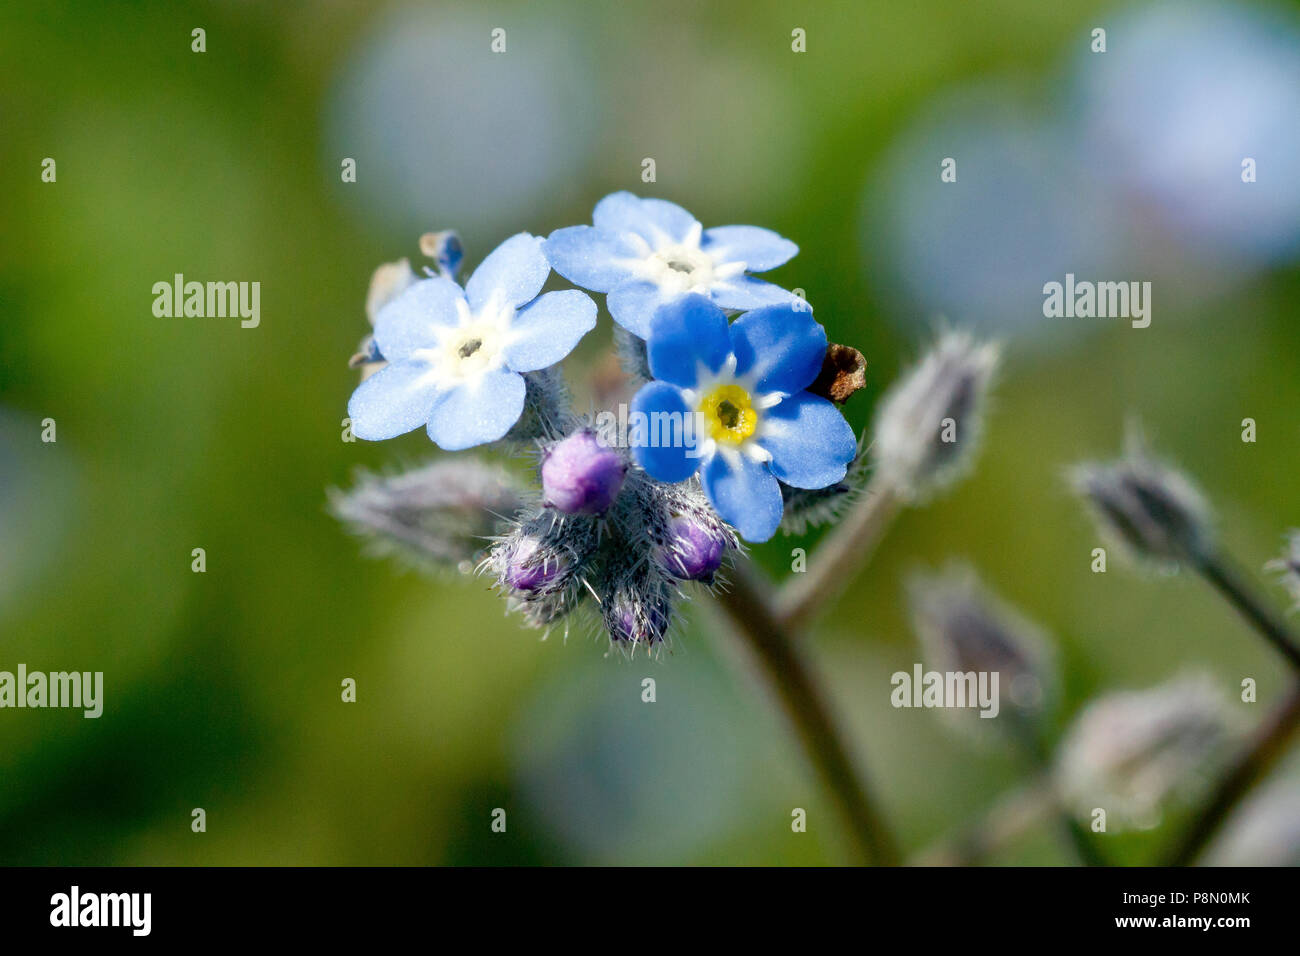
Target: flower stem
pixel 749 610
pixel 1031 745
pixel 1270 740
pixel 1265 746
pixel 840 557
pixel 1219 573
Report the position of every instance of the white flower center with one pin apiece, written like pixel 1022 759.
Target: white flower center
pixel 681 267
pixel 474 346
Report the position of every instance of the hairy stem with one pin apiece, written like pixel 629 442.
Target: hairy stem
pixel 748 608
pixel 840 557
pixel 1031 745
pixel 1266 745
pixel 1271 738
pixel 1220 573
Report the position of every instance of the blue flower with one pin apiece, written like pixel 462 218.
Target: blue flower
pixel 455 355
pixel 646 253
pixel 743 387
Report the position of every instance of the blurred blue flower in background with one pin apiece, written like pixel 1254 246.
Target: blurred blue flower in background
pixel 1020 213
pixel 524 121
pixel 1184 95
pixel 1136 166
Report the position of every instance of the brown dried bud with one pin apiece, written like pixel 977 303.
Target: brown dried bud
pixel 844 371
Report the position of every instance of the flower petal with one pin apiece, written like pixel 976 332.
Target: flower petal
pixel 634 303
pixel 781 347
pixel 516 270
pixel 655 220
pixel 411 320
pixel 745 292
pixel 810 442
pixel 684 333
pixel 745 494
pixel 759 249
pixel 393 401
pixel 547 329
pixel 590 257
pixel 478 411
pixel 662 417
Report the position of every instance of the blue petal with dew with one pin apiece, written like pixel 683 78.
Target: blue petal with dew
pixel 661 414
pixel 745 494
pixel 810 442
pixel 684 334
pixel 477 412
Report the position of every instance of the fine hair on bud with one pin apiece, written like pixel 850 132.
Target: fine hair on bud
pixel 928 424
pixel 631 351
pixel 636 603
pixel 963 627
pixel 1151 509
pixel 438 515
pixel 540 565
pixel 688 540
pixel 548 408
pixel 1132 752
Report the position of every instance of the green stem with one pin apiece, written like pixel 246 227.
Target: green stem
pixel 839 558
pixel 1270 740
pixel 1031 746
pixel 1220 573
pixel 749 610
pixel 1267 744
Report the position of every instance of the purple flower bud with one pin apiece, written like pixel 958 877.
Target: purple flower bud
pixel 527 570
pixel 631 622
pixel 581 476
pixel 693 551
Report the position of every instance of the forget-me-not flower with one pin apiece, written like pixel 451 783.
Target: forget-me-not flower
pixel 646 253
pixel 747 384
pixel 455 356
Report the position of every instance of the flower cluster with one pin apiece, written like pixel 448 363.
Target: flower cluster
pixel 729 420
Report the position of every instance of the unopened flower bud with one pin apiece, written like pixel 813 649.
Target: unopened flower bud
pixel 438 514
pixel 1130 752
pixel 929 423
pixel 962 628
pixel 633 619
pixel 1150 508
pixel 386 283
pixel 693 551
pixel 530 568
pixel 581 476
pixel 445 249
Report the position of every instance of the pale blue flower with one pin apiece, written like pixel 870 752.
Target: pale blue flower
pixel 455 356
pixel 646 253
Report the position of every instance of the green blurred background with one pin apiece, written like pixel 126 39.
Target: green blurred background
pixel 222 689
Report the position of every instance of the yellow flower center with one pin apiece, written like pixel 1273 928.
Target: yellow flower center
pixel 730 414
